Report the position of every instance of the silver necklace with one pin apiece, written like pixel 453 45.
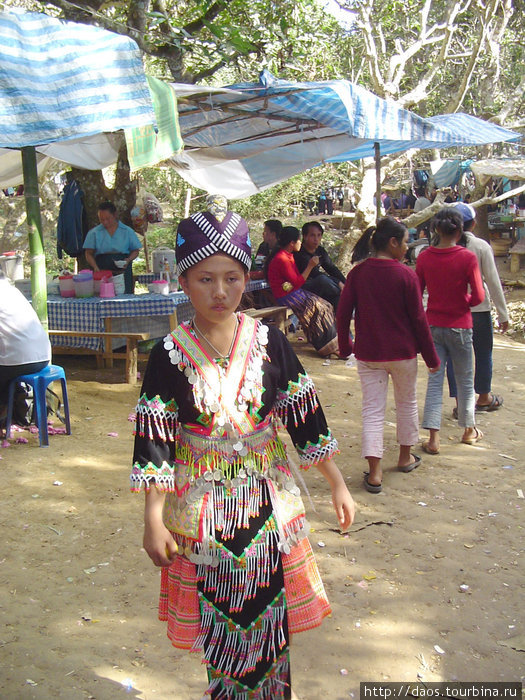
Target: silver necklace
pixel 212 346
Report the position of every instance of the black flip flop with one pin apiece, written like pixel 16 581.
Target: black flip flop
pixel 371 488
pixel 497 402
pixel 413 465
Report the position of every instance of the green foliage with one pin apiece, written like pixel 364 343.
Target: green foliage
pixel 231 40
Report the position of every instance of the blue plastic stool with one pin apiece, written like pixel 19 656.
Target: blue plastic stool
pixel 40 381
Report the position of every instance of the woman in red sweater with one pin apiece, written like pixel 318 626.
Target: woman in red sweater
pixel 390 330
pixel 447 270
pixel 315 314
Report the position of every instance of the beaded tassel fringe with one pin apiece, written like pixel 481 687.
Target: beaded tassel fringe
pixel 273 686
pixel 300 399
pixel 236 651
pixel 237 579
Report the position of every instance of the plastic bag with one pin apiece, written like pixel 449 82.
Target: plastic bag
pixel 139 219
pixel 153 209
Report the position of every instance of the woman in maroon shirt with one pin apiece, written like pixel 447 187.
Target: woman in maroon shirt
pixel 286 282
pixel 390 330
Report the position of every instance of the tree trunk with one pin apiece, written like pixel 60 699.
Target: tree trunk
pixel 482 223
pixel 365 216
pixel 123 194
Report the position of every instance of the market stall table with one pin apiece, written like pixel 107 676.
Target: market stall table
pixel 152 314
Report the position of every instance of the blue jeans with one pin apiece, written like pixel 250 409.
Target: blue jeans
pixel 482 342
pixel 454 344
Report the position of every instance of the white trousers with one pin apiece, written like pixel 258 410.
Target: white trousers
pixel 374 386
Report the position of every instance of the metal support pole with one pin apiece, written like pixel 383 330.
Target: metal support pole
pixel 377 158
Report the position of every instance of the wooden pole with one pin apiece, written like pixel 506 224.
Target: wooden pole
pixel 377 158
pixel 36 239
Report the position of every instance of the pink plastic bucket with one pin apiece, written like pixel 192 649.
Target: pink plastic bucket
pixel 107 289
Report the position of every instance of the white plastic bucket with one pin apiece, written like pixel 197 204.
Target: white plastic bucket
pixel 157 259
pixel 12 266
pixel 119 284
pixel 24 286
pixel 159 287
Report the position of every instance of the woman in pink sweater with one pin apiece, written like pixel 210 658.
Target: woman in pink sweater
pixel 390 330
pixel 447 270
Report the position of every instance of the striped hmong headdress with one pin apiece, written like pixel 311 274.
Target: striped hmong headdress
pixel 202 235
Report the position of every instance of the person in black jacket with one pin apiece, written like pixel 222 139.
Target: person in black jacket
pixel 325 280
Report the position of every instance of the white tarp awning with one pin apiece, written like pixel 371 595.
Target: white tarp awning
pixel 493 167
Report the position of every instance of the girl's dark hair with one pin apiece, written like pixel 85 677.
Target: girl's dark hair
pixel 287 235
pixel 447 222
pixel 376 238
pixel 274 225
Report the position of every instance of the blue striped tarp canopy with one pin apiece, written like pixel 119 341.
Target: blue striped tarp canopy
pixel 60 80
pixel 243 138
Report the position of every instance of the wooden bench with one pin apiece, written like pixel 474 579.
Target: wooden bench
pixel 106 355
pixel 278 314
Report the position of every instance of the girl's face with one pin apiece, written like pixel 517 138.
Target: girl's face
pixel 398 249
pixel 215 287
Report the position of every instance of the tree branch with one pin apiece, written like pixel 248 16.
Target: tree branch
pixel 419 92
pixel 364 22
pixel 211 13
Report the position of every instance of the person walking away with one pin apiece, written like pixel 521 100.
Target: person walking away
pixel 390 329
pixel 446 270
pixel 482 330
pixel 422 202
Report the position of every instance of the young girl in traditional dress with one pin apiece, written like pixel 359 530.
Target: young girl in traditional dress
pixel 223 516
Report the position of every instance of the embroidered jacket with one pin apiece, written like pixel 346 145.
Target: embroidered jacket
pixel 206 432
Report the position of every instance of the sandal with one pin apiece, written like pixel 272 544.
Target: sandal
pixel 413 465
pixel 478 435
pixel 425 446
pixel 495 403
pixel 371 488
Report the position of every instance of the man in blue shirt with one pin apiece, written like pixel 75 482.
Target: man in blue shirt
pixel 112 240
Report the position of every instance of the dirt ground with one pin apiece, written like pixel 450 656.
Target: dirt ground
pixel 428 584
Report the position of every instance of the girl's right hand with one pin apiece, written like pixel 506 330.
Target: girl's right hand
pixel 314 261
pixel 159 543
